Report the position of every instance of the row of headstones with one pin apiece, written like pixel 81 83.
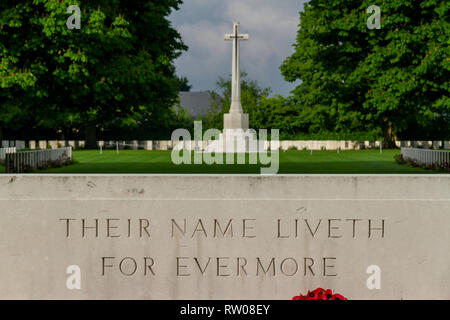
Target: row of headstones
pixel 42 144
pixel 168 145
pixel 424 144
pixel 358 145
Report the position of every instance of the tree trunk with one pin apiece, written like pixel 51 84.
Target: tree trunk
pixel 90 136
pixel 389 137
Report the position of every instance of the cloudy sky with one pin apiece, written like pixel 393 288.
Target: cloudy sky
pixel 271 25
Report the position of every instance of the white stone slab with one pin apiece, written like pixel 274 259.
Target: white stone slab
pixel 19 144
pixel 53 144
pixel 147 145
pixel 338 221
pixel 62 144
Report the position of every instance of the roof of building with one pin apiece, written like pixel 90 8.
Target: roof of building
pixel 197 103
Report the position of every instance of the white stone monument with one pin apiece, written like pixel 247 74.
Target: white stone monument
pixel 214 237
pixel 236 119
pixel 236 137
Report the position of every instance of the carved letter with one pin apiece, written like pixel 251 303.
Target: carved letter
pixel 84 228
pixel 246 228
pixel 200 268
pixel 109 227
pixel 104 265
pixel 279 231
pixel 241 267
pixel 179 267
pixel 67 226
pixel 148 265
pixel 266 271
pixel 376 229
pixel 228 229
pixel 221 266
pixel 182 231
pixel 295 267
pixel 134 268
pixel 309 266
pixel 330 228
pixel 317 228
pixel 325 266
pixel 200 228
pixel 354 225
pixel 144 227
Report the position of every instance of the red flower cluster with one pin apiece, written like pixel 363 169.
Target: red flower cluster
pixel 320 294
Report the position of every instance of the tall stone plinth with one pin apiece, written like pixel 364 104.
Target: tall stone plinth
pixel 235 121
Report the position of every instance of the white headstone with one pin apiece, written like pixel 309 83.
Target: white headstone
pixel 20 144
pixel 53 144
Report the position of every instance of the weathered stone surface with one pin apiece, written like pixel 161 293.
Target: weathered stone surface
pixel 332 226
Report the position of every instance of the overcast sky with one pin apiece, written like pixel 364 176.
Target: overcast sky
pixel 271 25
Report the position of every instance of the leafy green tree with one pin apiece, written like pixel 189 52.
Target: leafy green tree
pixel 251 94
pixel 183 84
pixel 117 70
pixel 393 81
pixel 280 113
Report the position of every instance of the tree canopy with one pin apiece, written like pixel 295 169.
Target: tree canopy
pixel 183 84
pixel 115 71
pixel 392 81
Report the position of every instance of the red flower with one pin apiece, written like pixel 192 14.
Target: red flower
pixel 314 295
pixel 337 296
pixel 320 294
pixel 317 294
pixel 300 297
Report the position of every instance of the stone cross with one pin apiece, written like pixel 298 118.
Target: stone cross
pixel 236 118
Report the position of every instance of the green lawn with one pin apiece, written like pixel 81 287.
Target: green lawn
pixel 291 162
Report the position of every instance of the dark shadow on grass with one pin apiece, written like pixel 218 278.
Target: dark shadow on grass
pixel 304 167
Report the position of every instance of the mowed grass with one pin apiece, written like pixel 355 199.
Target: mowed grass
pixel 291 162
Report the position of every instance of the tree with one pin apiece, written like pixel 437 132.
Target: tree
pixel 280 113
pixel 391 81
pixel 251 94
pixel 117 70
pixel 183 84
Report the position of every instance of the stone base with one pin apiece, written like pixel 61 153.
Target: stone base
pixel 236 141
pixel 235 121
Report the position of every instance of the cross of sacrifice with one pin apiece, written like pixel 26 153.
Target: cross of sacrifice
pixel 236 106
